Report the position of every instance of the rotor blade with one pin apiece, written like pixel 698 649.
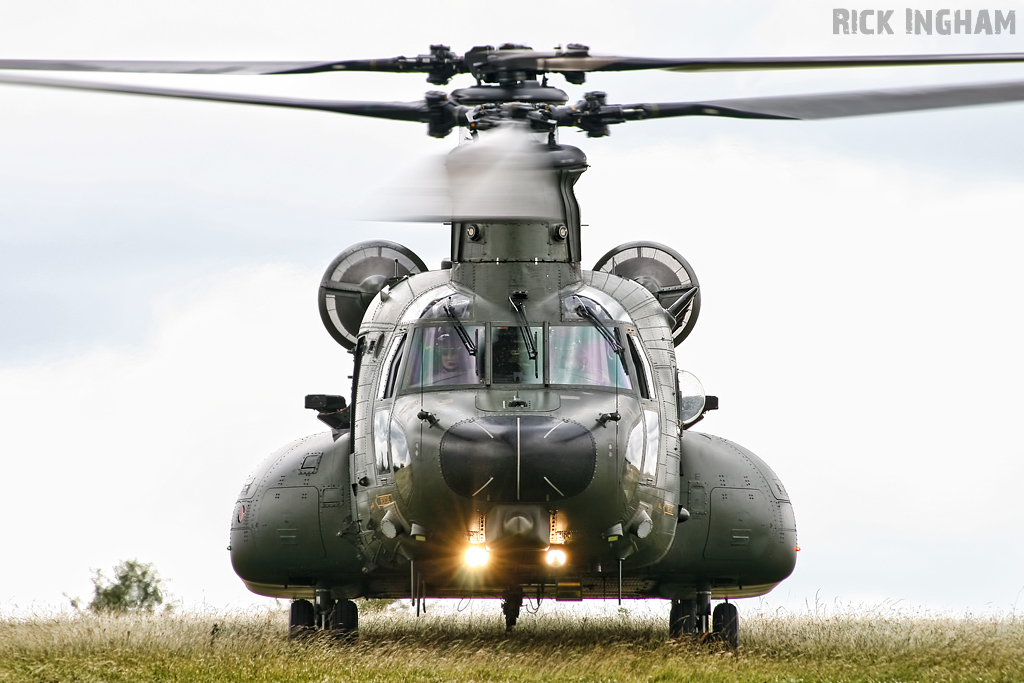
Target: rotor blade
pixel 520 59
pixel 550 62
pixel 400 111
pixel 837 105
pixel 392 65
pixel 772 63
pixel 170 67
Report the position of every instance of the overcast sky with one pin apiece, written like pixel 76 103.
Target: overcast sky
pixel 159 263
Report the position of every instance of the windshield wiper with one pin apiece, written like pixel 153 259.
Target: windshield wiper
pixel 460 329
pixel 584 312
pixel 524 328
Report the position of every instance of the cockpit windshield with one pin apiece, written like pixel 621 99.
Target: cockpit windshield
pixel 442 355
pixel 581 355
pixel 439 357
pixel 512 355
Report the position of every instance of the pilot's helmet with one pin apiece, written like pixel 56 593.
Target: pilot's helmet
pixel 447 344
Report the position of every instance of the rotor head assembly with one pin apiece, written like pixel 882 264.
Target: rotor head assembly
pixel 512 83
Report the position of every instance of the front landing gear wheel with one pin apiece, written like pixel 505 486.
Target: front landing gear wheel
pixel 510 606
pixel 682 618
pixel 300 618
pixel 725 622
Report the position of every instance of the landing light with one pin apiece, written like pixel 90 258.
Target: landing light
pixel 556 558
pixel 476 556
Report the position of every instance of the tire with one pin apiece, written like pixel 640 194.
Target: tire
pixel 682 618
pixel 300 618
pixel 346 617
pixel 725 623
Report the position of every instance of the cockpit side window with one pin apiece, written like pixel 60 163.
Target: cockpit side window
pixel 581 355
pixel 643 370
pixel 391 365
pixel 440 357
pixel 511 362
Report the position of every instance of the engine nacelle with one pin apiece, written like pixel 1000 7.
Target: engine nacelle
pixel 665 274
pixel 354 278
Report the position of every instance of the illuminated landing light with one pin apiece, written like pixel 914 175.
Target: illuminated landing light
pixel 476 556
pixel 555 558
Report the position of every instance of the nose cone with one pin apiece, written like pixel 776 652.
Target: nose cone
pixel 524 459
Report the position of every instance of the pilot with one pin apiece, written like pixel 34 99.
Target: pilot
pixel 453 366
pixel 586 359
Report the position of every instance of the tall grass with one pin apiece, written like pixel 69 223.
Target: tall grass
pixel 394 645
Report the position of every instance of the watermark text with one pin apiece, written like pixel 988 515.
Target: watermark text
pixel 941 22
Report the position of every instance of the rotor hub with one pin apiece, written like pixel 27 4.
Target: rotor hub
pixel 530 92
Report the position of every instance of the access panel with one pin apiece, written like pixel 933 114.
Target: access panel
pixel 741 524
pixel 289 524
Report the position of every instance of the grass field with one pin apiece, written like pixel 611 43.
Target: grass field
pixel 394 645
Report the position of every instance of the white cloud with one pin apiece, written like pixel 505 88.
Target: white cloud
pixel 118 454
pixel 858 326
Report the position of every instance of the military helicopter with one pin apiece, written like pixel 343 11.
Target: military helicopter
pixel 517 426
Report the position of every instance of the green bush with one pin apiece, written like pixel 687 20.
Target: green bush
pixel 135 586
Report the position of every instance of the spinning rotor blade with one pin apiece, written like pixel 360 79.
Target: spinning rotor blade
pixel 505 175
pixel 838 105
pixel 170 67
pixel 441 64
pixel 516 64
pixel 400 111
pixel 558 62
pixel 781 63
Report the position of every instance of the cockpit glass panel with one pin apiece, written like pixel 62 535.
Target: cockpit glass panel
pixel 512 351
pixel 460 305
pixel 643 368
pixel 439 356
pixel 420 306
pixel 581 355
pixel 601 304
pixel 572 303
pixel 391 364
pixel 652 421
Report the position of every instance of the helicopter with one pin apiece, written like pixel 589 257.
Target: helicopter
pixel 518 426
